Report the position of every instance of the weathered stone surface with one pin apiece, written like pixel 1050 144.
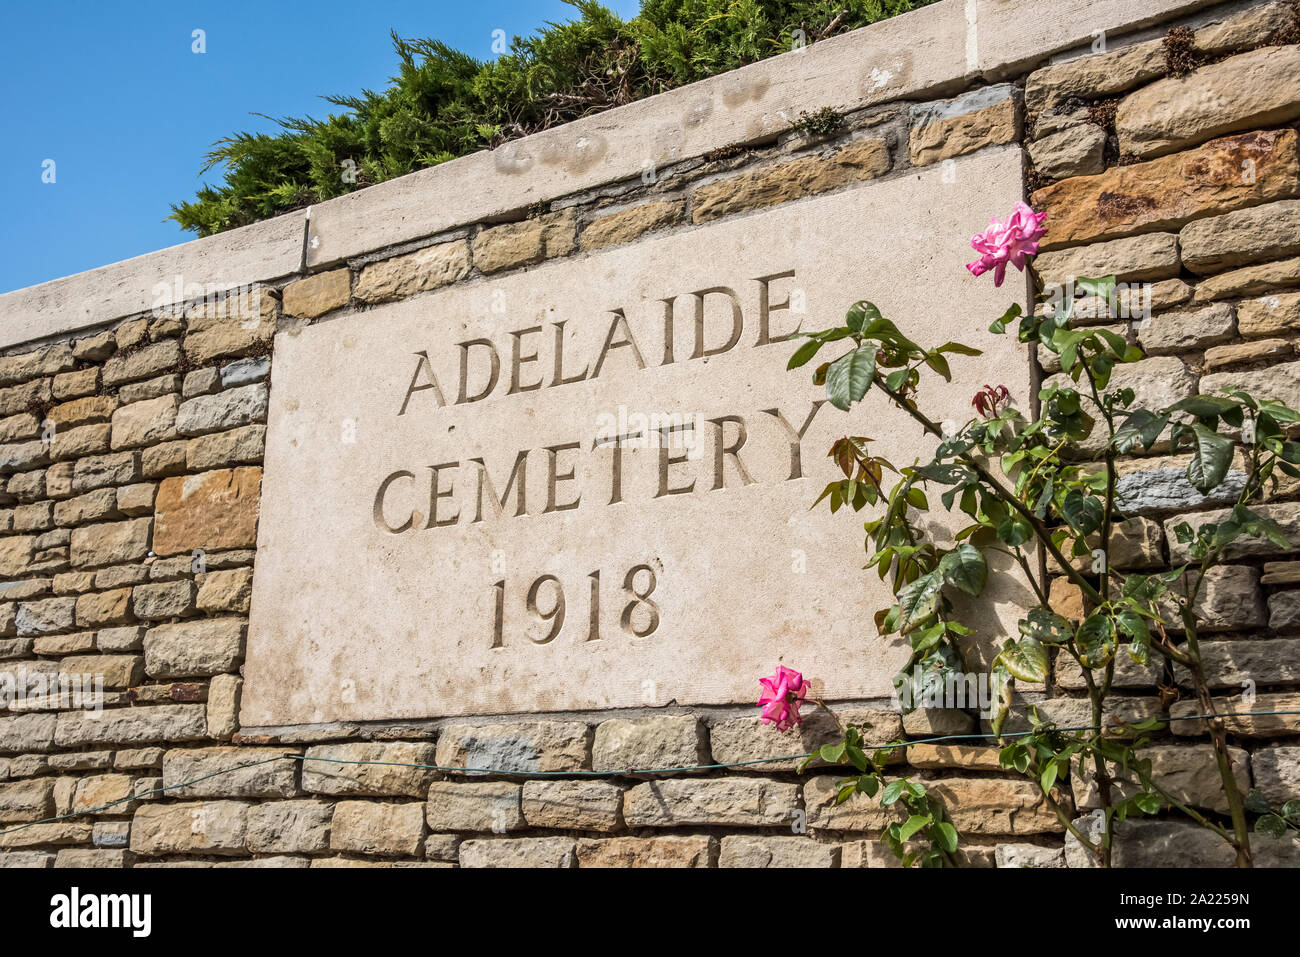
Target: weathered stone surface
pixel 1249 280
pixel 1167 192
pixel 33 365
pixel 150 360
pixel 193 649
pixel 318 294
pixel 1188 774
pixel 1029 855
pixel 1186 330
pixel 35 835
pixel 1256 25
pixel 238 771
pixel 112 543
pixel 474 806
pixel 649 743
pixel 1234 664
pixel 227 591
pixel 995 806
pixel 748 739
pixel 1127 673
pixel 225 410
pixel 86 411
pixel 1280 383
pixel 658 852
pixel 1074 151
pixel 1135 543
pixel 1255 89
pixel 366 827
pixel 1229 600
pixel 740 850
pixel 207 827
pixel 416 272
pixel 116 671
pixel 572 805
pixel 1277 773
pixel 862 160
pixel 149 389
pixel 628 224
pixel 223 449
pixel 144 423
pixel 104 794
pixel 1161 485
pixel 80 857
pixel 946 756
pixel 525 243
pixel 321 775
pixel 947 128
pixel 289 827
pixel 934 722
pixel 130 726
pixel 46 617
pixel 1172 844
pixel 856 814
pixel 163 600
pixel 211 511
pixel 24 801
pixel 1234 239
pixel 1261 350
pixel 748 802
pixel 520 852
pixel 1150 256
pixel 232 327
pixel 544 746
pixel 1240 718
pixel 245 371
pixel 223 706
pixel 1094 76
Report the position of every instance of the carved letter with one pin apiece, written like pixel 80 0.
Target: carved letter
pixel 796 438
pixel 765 309
pixel 721 450
pixel 464 370
pixel 431 384
pixel 737 322
pixel 518 474
pixel 558 378
pixel 379 505
pixel 619 322
pixel 517 360
pixel 553 478
pixel 435 494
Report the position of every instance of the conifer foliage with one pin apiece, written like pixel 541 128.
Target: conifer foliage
pixel 443 103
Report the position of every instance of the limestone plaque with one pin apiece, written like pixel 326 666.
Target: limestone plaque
pixel 588 485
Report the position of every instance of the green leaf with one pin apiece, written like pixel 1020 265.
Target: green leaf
pixel 911 826
pixel 893 791
pixel 804 354
pixel 1083 512
pixel 1046 626
pixel 945 835
pixel 918 600
pixel 964 567
pixel 1096 640
pixel 860 314
pixel 1026 659
pixel 849 377
pixel 1270 825
pixel 1211 459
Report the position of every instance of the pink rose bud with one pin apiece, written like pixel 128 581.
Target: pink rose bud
pixel 999 244
pixel 782 695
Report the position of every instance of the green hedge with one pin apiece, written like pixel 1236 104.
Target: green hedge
pixel 444 103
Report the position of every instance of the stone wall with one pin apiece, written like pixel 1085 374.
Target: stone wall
pixel 131 443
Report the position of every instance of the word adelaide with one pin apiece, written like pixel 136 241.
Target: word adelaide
pixel 660 454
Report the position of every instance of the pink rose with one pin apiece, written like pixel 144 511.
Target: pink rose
pixel 999 244
pixel 783 693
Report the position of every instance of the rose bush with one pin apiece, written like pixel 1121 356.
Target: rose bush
pixel 1027 489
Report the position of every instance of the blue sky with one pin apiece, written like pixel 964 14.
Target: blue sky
pixel 114 95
